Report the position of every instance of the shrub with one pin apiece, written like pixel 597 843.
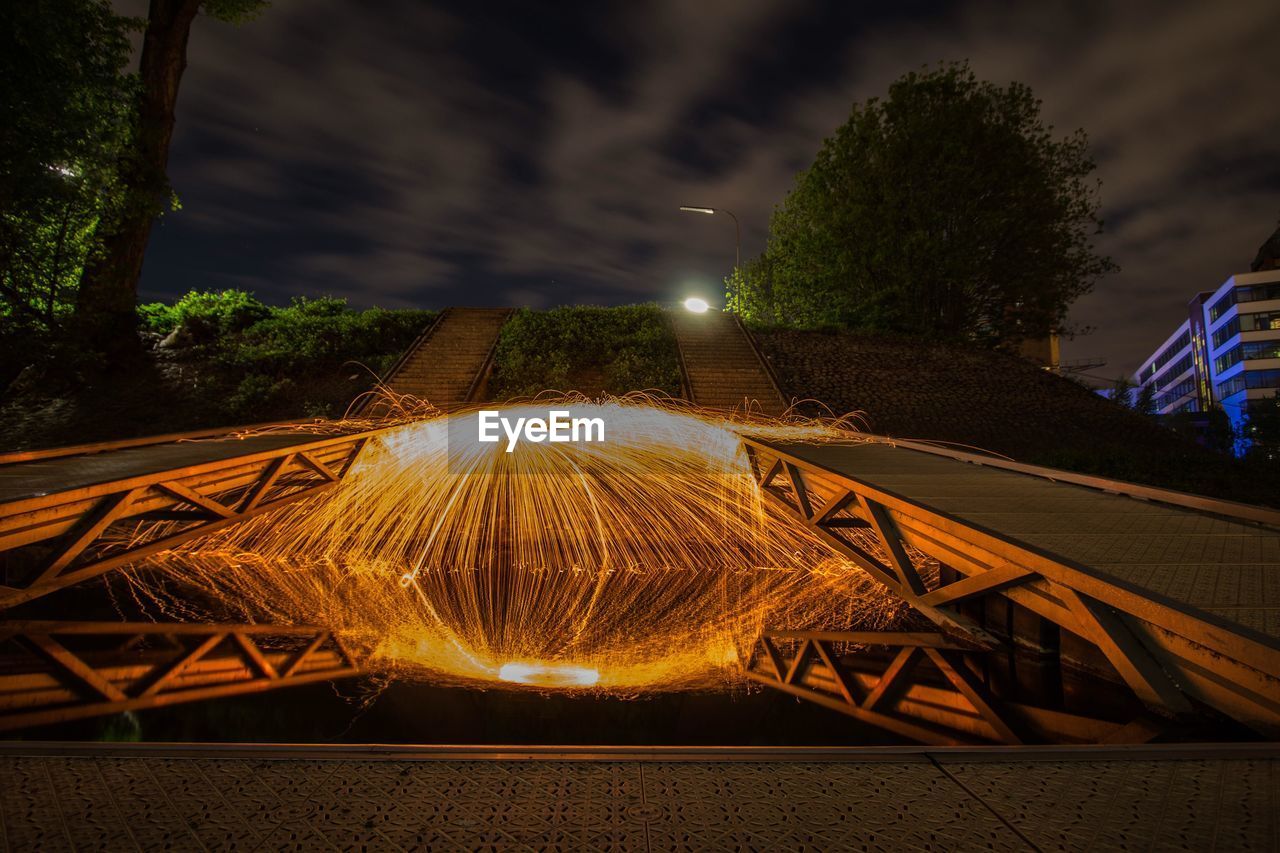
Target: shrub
pixel 633 345
pixel 259 362
pixel 207 316
pixel 256 393
pixel 323 334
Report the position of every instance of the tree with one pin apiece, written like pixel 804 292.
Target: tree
pixel 948 209
pixel 1262 428
pixel 65 104
pixel 109 288
pixel 1122 392
pixel 1144 402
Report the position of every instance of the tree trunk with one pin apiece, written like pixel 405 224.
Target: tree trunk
pixel 106 306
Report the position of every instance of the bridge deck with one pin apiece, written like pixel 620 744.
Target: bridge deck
pixel 1214 565
pixel 67 797
pixel 39 477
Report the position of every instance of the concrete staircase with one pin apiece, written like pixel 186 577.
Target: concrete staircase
pixel 721 364
pixel 446 364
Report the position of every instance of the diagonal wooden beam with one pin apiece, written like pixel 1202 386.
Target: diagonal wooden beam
pixel 956 623
pixel 269 475
pixel 194 498
pixel 352 457
pixel 837 503
pixel 898 669
pixel 1108 630
pixel 182 662
pixel 255 655
pixel 68 663
pixel 843 682
pixel 766 478
pixel 994 579
pixel 953 668
pixel 107 511
pixel 801 490
pixel 798 664
pixel 891 541
pixel 775 659
pixel 302 656
pixel 319 467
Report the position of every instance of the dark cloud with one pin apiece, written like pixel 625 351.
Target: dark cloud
pixel 516 153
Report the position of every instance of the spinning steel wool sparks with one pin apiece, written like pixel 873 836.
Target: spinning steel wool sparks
pixel 648 561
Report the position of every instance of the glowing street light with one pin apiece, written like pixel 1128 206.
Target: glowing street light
pixel 737 229
pixel 696 305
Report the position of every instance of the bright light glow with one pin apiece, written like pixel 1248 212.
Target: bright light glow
pixel 646 562
pixel 698 209
pixel 547 675
pixel 696 305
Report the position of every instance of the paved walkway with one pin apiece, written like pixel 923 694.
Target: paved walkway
pixel 444 368
pixel 118 797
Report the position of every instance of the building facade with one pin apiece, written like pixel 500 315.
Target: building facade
pixel 1225 354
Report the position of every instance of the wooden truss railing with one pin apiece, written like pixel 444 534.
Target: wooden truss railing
pixel 1168 655
pixel 948 704
pixel 52 541
pixel 52 672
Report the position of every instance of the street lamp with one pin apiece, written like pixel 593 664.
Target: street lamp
pixel 737 229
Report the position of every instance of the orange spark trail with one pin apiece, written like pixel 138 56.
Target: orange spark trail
pixel 644 562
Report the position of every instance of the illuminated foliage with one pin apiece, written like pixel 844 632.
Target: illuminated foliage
pixel 631 345
pixel 66 117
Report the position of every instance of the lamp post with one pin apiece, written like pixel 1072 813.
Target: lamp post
pixel 737 228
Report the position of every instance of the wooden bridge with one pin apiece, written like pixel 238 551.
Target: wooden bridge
pixel 1177 594
pixel 1173 596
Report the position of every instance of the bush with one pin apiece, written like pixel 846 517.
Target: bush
pixel 206 316
pixel 259 362
pixel 323 334
pixel 556 349
pixel 257 393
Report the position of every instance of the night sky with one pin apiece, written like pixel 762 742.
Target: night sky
pixel 493 153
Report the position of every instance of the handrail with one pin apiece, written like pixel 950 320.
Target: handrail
pixel 1217 506
pixel 390 373
pixel 124 443
pixel 764 362
pixel 422 338
pixel 686 387
pixel 487 364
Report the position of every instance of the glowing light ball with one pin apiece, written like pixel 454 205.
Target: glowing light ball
pixel 696 305
pixel 545 675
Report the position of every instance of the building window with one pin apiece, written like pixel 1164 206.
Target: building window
pixel 1267 321
pixel 1183 341
pixel 1261 349
pixel 1223 304
pixel 1258 292
pixel 1262 379
pixel 1227 331
pixel 1175 393
pixel 1249 379
pixel 1228 359
pixel 1170 375
pixel 1234 385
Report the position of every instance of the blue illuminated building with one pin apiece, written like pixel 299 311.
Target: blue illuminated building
pixel 1226 353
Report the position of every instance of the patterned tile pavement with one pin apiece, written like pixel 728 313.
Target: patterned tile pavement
pixel 69 797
